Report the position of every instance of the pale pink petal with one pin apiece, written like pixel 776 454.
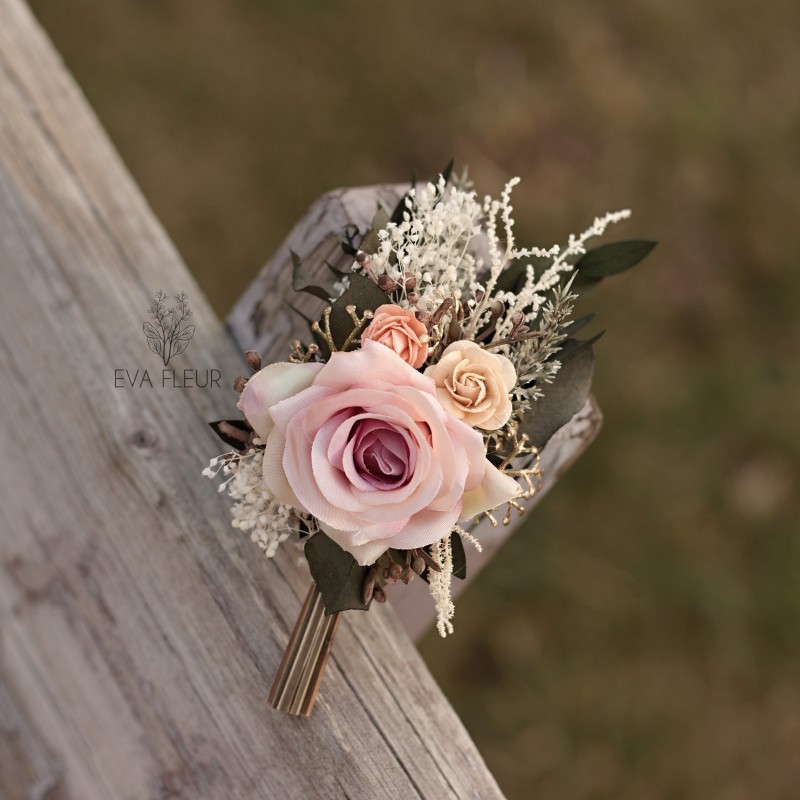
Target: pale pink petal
pixel 364 554
pixel 356 368
pixel 283 412
pixel 300 473
pixel 475 451
pixel 269 386
pixel 330 485
pixel 495 490
pixel 426 527
pixel 383 531
pixel 500 416
pixel 274 473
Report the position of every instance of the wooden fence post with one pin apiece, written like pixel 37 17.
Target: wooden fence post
pixel 140 633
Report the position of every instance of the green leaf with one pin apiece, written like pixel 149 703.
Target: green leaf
pixel 338 575
pixel 447 172
pixel 397 213
pixel 610 259
pixel 371 242
pixel 574 347
pixel 577 325
pixel 362 293
pixel 513 277
pixel 459 556
pixel 399 209
pixel 301 282
pixel 347 239
pixel 582 286
pixel 337 272
pixel 565 396
pixel 300 313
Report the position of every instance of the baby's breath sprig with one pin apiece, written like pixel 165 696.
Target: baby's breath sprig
pixel 254 511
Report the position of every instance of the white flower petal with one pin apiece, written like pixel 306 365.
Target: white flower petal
pixel 269 386
pixel 495 490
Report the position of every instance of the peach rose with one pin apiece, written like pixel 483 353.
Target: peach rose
pixel 367 449
pixel 401 331
pixel 474 384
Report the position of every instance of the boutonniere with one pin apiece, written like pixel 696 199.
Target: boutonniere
pixel 417 405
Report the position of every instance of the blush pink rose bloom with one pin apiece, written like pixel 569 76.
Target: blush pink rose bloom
pixel 401 331
pixel 363 444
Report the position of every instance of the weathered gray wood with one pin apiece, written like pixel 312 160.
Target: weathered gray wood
pixel 140 633
pixel 261 320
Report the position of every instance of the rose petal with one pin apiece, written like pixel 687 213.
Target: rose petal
pixel 500 416
pixel 426 527
pixel 364 554
pixel 357 368
pixel 274 472
pixel 495 489
pixel 269 386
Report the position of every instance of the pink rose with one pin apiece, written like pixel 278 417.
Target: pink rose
pixel 401 331
pixel 366 448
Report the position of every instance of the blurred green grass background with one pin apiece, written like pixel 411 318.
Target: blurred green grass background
pixel 639 638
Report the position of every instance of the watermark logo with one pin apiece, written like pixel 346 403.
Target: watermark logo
pixel 170 332
pixel 168 335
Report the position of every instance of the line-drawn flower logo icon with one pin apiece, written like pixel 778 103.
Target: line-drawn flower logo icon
pixel 170 332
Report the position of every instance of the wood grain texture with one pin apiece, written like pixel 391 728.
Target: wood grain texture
pixel 262 320
pixel 140 633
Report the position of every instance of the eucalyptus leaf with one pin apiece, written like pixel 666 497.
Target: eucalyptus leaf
pixel 564 397
pixel 302 282
pixel 347 239
pixel 447 172
pixel 337 272
pixel 577 325
pixel 513 277
pixel 613 258
pixel 399 209
pixel 338 575
pixel 371 241
pixel 573 347
pixel 362 293
pixel 582 285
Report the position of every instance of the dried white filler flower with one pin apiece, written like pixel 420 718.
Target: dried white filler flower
pixel 439 585
pixel 268 522
pixel 454 248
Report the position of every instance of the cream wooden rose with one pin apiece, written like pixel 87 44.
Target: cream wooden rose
pixel 473 384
